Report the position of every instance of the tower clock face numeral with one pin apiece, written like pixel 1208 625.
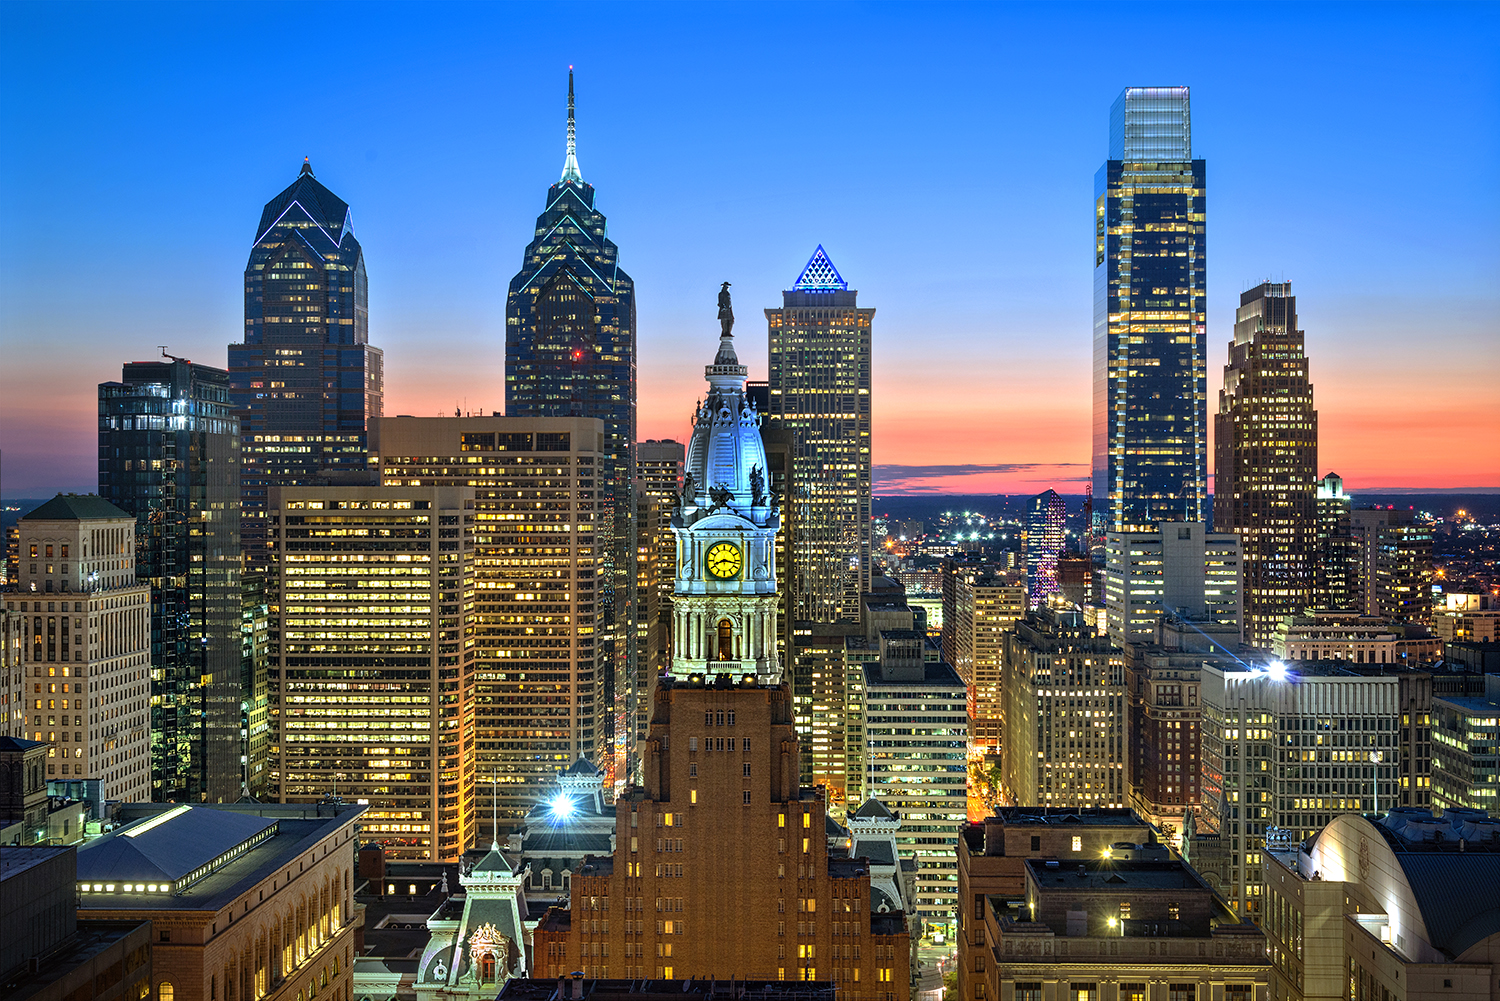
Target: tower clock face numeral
pixel 724 560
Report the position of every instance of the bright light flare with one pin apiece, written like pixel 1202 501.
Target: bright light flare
pixel 1277 670
pixel 562 807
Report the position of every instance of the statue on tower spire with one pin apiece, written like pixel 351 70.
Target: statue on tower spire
pixel 726 312
pixel 570 165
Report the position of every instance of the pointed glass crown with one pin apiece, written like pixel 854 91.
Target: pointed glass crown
pixel 820 275
pixel 570 165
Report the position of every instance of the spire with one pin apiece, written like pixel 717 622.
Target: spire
pixel 307 167
pixel 570 165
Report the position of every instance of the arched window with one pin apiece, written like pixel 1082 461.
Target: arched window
pixel 164 991
pixel 726 640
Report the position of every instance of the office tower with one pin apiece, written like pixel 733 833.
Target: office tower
pixel 570 352
pixel 305 380
pixel 820 392
pixel 1046 534
pixel 1164 710
pixel 829 719
pixel 1293 749
pixel 1358 639
pixel 285 870
pixel 916 740
pixel 992 862
pixel 169 454
pixel 1393 559
pixel 1467 618
pixel 722 831
pixel 1150 317
pixel 1399 907
pixel 652 624
pixel 255 666
pixel 87 651
pixel 1162 927
pixel 985 605
pixel 1063 715
pixel 1336 572
pixel 539 570
pixel 1266 460
pixel 1075 579
pixel 1466 750
pixel 1178 567
pixel 372 678
pixel 659 467
pixel 781 459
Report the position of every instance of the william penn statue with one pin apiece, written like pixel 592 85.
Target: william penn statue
pixel 726 312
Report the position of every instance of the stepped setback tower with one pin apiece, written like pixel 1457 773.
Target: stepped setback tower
pixel 570 352
pixel 724 598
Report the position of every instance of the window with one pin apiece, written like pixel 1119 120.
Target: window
pixel 1036 843
pixel 164 990
pixel 1174 913
pixel 1031 991
pixel 1084 992
pixel 692 743
pixel 747 797
pixel 1136 992
pixel 692 769
pixel 1232 992
pixel 747 769
pixel 1077 843
pixel 1182 992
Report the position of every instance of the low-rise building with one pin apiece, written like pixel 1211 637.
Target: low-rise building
pixel 1470 618
pixel 1402 907
pixel 992 862
pixel 1107 930
pixel 1359 639
pixel 245 900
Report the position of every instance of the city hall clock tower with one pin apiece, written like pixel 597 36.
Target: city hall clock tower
pixel 724 599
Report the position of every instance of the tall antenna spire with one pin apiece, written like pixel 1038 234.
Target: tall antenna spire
pixel 570 165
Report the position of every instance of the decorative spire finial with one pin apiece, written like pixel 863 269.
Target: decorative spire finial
pixel 570 165
pixel 307 166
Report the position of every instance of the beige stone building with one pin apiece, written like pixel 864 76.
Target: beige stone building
pixel 246 902
pixel 85 646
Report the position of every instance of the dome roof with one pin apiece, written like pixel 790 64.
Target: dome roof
pixel 726 461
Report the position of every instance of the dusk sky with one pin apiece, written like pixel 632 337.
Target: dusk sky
pixel 943 155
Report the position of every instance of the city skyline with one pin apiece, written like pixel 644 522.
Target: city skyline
pixel 989 335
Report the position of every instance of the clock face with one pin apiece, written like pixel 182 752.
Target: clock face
pixel 724 560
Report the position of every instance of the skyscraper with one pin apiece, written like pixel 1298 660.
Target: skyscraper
pixel 1046 534
pixel 169 454
pixel 1150 316
pixel 373 694
pixel 305 380
pixel 820 392
pixel 539 685
pixel 1266 460
pixel 570 352
pixel 1393 559
pixel 1336 572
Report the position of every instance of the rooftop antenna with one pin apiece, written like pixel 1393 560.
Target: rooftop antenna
pixel 570 165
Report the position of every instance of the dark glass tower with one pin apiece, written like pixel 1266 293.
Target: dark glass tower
pixel 1150 327
pixel 169 454
pixel 570 352
pixel 305 379
pixel 1266 460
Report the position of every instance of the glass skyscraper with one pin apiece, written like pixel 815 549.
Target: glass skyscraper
pixel 305 379
pixel 1266 460
pixel 820 393
pixel 1046 534
pixel 1150 454
pixel 169 454
pixel 570 352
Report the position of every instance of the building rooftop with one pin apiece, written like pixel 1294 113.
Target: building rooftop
pixel 75 507
pixel 935 674
pixel 528 989
pixel 199 857
pixel 1025 816
pixel 1105 874
pixel 16 859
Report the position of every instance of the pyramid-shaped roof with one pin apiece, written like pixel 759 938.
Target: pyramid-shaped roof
pixel 873 809
pixel 76 507
pixel 492 864
pixel 169 845
pixel 320 205
pixel 820 275
pixel 582 767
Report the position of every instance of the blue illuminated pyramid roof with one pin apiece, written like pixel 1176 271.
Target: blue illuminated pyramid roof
pixel 820 275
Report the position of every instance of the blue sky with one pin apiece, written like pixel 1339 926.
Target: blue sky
pixel 943 154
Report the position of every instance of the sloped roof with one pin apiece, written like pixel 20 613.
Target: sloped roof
pixel 820 275
pixel 320 205
pixel 1457 894
pixel 873 809
pixel 493 863
pixel 582 767
pixel 76 507
pixel 877 850
pixel 19 744
pixel 168 845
